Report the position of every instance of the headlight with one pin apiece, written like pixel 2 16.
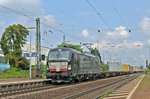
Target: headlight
pixel 69 67
pixel 47 67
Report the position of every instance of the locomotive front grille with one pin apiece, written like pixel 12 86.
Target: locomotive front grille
pixel 58 66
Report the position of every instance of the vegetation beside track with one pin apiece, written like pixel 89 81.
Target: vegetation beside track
pixel 14 73
pixel 44 71
pixel 107 93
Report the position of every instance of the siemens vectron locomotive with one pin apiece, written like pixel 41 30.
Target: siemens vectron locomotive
pixel 69 65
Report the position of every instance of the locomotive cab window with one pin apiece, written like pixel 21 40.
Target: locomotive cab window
pixel 59 55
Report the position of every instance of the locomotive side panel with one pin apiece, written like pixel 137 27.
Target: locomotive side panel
pixel 88 65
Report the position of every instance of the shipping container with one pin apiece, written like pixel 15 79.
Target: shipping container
pixel 125 67
pixel 115 66
pixel 131 68
pixel 136 69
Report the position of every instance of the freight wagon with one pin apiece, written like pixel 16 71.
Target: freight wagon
pixel 131 68
pixel 125 68
pixel 115 66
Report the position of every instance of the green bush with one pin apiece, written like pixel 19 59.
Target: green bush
pixel 104 67
pixel 44 71
pixel 14 73
pixel 24 65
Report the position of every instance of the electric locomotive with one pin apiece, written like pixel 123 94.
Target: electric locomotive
pixel 69 65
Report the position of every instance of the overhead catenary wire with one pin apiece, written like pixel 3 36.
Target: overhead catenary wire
pixel 68 15
pixel 58 23
pixel 117 12
pixel 120 17
pixel 103 19
pixel 41 22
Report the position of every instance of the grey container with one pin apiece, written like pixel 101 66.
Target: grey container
pixel 115 66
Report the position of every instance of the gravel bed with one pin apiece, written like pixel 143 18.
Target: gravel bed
pixel 100 91
pixel 58 93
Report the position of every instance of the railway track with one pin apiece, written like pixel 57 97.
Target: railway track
pixel 15 88
pixel 40 87
pixel 113 85
pixel 17 91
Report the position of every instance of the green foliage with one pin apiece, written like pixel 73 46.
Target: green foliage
pixel 34 67
pixel 141 67
pixel 107 93
pixel 96 53
pixel 14 73
pixel 12 40
pixel 104 67
pixel 24 64
pixel 77 47
pixel 44 71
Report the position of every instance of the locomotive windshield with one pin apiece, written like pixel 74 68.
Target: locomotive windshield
pixel 59 55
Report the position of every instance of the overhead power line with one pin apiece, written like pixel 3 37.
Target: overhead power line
pixel 59 31
pixel 103 19
pixel 68 15
pixel 117 12
pixel 120 17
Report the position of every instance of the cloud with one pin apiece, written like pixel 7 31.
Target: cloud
pixel 103 45
pixel 148 10
pixel 148 42
pixel 145 25
pixel 120 31
pixel 141 57
pixel 2 24
pixel 106 45
pixel 49 20
pixel 85 33
pixel 30 7
pixel 132 45
pixel 22 20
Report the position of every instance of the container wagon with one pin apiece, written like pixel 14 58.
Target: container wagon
pixel 115 66
pixel 131 68
pixel 125 68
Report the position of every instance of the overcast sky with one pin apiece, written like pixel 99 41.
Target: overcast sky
pixel 80 23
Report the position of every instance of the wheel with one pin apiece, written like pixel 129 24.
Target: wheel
pixel 47 77
pixel 72 80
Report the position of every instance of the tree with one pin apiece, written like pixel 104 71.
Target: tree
pixel 104 67
pixel 77 47
pixel 96 53
pixel 141 67
pixel 12 40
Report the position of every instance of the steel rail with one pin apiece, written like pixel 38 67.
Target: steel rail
pixel 10 92
pixel 115 88
pixel 94 89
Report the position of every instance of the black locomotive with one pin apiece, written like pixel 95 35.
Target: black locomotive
pixel 69 65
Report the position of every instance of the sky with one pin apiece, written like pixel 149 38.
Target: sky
pixel 124 25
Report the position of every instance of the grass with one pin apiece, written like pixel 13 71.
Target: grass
pixel 18 73
pixel 145 82
pixel 107 93
pixel 14 73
